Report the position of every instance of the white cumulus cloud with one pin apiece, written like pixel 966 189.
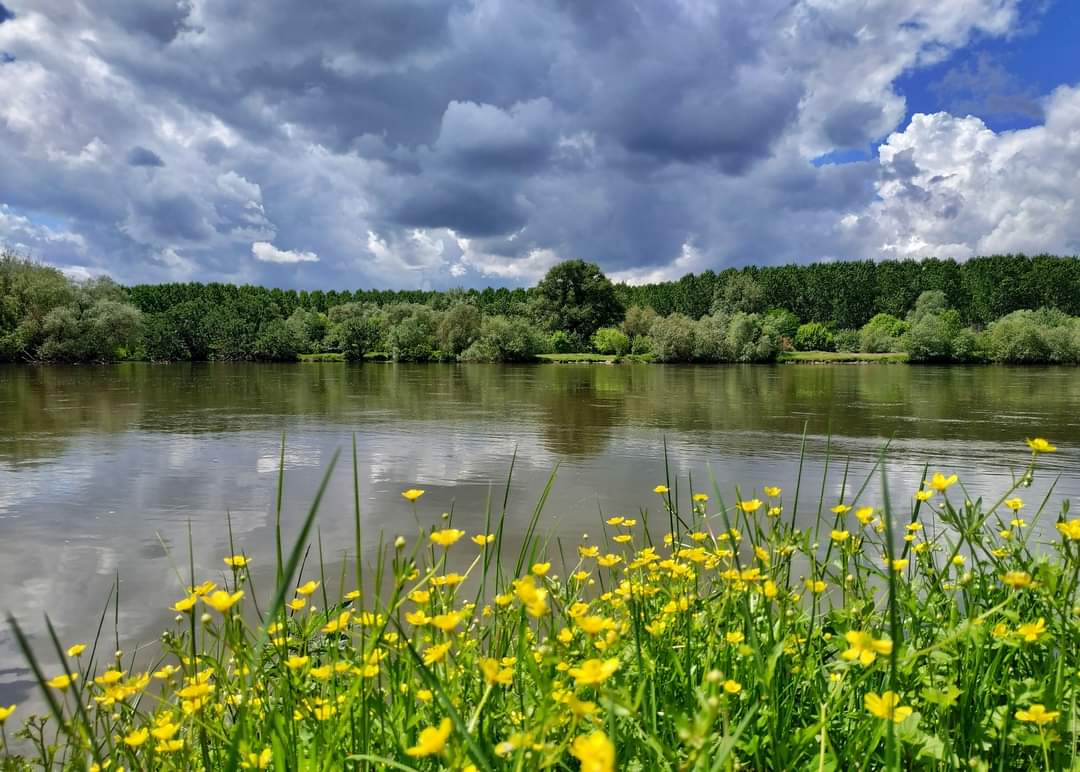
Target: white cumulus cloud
pixel 268 253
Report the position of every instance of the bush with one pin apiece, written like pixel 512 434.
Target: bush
pixel 562 342
pixel 1027 337
pixel 740 292
pixel 355 330
pixel 813 336
pixel 309 328
pixel 846 340
pixel 412 339
pixel 458 328
pixel 505 340
pixel 930 337
pixel 783 321
pixel 882 334
pixel 277 342
pixel 641 345
pixel 609 340
pixel 673 338
pixel 639 321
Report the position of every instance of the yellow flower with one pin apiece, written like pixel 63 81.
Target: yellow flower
pixel 433 654
pixel 164 731
pixel 594 672
pixel 1037 714
pixel 840 509
pixel 202 589
pixel 296 604
pixel 865 515
pixel 296 662
pixel 339 624
pixel 940 482
pixel 447 536
pixel 595 752
pixel 732 687
pixel 772 490
pixel 417 618
pixel 701 498
pixel 63 681
pixel 185 604
pixel 815 585
pixel 588 552
pixel 236 561
pixel 420 596
pixel 899 564
pixel 307 588
pixel 1039 445
pixel 494 674
pixel 1030 631
pixel 886 706
pixel 258 760
pixel 753 505
pixel 734 637
pixel 1014 503
pixel 324 712
pixel 481 539
pixel 110 677
pixel 839 536
pixel 661 489
pixel 541 568
pixel 5 713
pixel 446 622
pixel 864 647
pixel 769 590
pixel 432 740
pixel 222 601
pixel 924 495
pixel 412 494
pixel 1070 529
pixel 609 560
pixel 321 673
pixel 76 650
pixel 137 738
pixel 1017 580
pixel 424 695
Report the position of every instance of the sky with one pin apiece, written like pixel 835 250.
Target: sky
pixel 443 143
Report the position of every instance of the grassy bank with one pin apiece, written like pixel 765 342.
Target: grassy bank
pixel 827 357
pixel 929 630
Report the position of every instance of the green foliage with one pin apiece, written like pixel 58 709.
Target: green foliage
pixel 458 328
pixel 846 340
pixel 355 329
pixel 505 339
pixel 673 338
pixel 562 342
pixel 785 323
pixel 1027 337
pixel 578 298
pixel 738 292
pixel 411 336
pixel 309 328
pixel 814 336
pixel 28 293
pixel 609 340
pixel 638 321
pixel 88 330
pixel 882 334
pixel 277 342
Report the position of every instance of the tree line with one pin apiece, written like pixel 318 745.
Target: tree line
pixel 1008 308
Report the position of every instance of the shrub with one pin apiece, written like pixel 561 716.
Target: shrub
pixel 846 340
pixel 458 327
pixel 609 340
pixel 277 342
pixel 355 330
pixel 412 339
pixel 930 337
pixel 673 338
pixel 639 321
pixel 1026 337
pixel 882 334
pixel 813 336
pixel 505 340
pixel 641 345
pixel 740 292
pixel 783 321
pixel 562 342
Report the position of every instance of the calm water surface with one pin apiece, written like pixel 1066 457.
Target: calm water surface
pixel 103 468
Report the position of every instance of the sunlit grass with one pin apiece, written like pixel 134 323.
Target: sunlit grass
pixel 929 629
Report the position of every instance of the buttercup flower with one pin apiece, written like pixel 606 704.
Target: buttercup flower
pixel 412 494
pixel 864 647
pixel 432 740
pixel 1037 714
pixel 1039 445
pixel 886 706
pixel 595 752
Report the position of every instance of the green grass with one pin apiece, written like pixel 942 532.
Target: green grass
pixel 704 632
pixel 842 356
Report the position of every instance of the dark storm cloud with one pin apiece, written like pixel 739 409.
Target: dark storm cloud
pixel 450 141
pixel 140 156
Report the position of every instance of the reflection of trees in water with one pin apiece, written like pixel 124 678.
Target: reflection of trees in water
pixel 574 408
